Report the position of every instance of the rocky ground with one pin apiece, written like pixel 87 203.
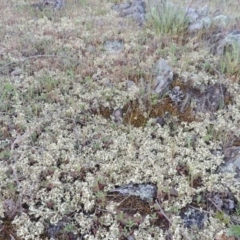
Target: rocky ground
pixel 119 120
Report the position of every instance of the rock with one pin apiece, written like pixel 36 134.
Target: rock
pixel 224 201
pixel 114 46
pixel 229 204
pixel 16 72
pixel 237 162
pixel 145 191
pixel 229 43
pixel 130 84
pixel 193 218
pixel 231 161
pixel 212 99
pixel 198 19
pixel 54 230
pixel 176 95
pixel 91 49
pixel 199 25
pixel 163 77
pixel 55 4
pixel 105 82
pixel 160 121
pixel 192 15
pixel 217 201
pixel 135 10
pixel 118 115
pixel 131 237
pixel 221 21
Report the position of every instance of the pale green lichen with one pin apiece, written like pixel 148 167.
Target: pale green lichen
pixel 64 144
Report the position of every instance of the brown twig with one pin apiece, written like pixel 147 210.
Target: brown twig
pixel 170 222
pixel 163 213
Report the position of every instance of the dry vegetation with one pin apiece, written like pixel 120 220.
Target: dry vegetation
pixel 61 151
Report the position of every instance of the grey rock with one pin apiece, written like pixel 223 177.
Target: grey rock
pixel 196 14
pixel 237 162
pixel 229 43
pixel 16 72
pixel 231 162
pixel 163 77
pixel 55 4
pixel 54 230
pixel 193 218
pixel 212 99
pixel 217 201
pixel 118 115
pixel 160 121
pixel 198 19
pixel 131 237
pixel 203 23
pixel 192 15
pixel 114 46
pixel 122 6
pixel 96 76
pixel 221 20
pixel 145 191
pixel 135 10
pixel 228 204
pixel 176 95
pixel 91 49
pixel 130 83
pixel 231 152
pixel 106 82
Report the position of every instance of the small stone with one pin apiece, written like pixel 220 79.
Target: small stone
pixel 218 201
pixel 113 46
pixel 229 204
pixel 16 72
pixel 106 82
pixel 118 115
pixel 130 83
pixel 160 121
